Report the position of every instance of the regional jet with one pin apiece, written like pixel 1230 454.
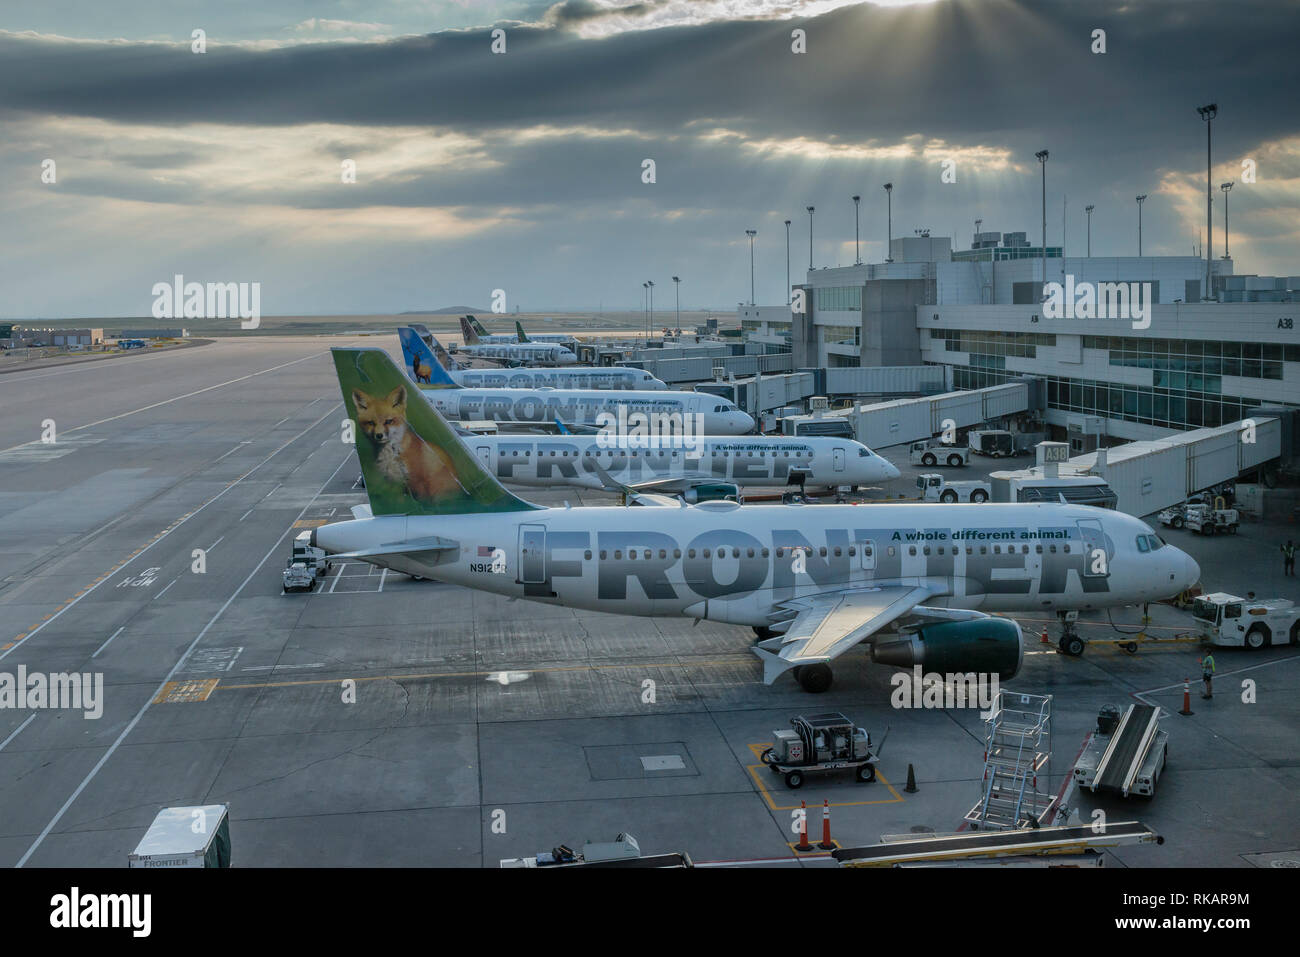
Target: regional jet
pixel 915 582
pixel 419 354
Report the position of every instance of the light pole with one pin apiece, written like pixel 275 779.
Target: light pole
pixel 787 262
pixel 650 325
pixel 751 233
pixel 1225 187
pixel 857 255
pixel 1088 210
pixel 1208 113
pixel 889 222
pixel 1140 200
pixel 1041 156
pixel 645 312
pixel 677 284
pixel 810 224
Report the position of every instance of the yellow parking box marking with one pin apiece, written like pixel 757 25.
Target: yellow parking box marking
pixel 310 522
pixel 755 769
pixel 178 692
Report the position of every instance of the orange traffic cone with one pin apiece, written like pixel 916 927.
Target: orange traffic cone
pixel 803 844
pixel 826 844
pixel 1187 697
pixel 1043 639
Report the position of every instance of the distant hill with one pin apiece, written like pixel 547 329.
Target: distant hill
pixel 445 311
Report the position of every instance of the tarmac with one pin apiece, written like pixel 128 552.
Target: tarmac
pixel 383 721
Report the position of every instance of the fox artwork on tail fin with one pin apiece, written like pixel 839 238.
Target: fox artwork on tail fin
pixel 400 454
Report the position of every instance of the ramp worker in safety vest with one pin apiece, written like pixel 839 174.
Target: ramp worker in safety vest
pixel 1207 675
pixel 1288 559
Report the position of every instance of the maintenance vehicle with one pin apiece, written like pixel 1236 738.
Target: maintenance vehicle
pixel 310 555
pixel 1204 520
pixel 298 576
pixel 1126 754
pixel 992 442
pixel 186 837
pixel 1232 622
pixel 821 742
pixel 1175 516
pixel 933 487
pixel 932 454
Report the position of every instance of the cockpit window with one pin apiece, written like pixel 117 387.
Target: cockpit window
pixel 1148 543
pixel 864 453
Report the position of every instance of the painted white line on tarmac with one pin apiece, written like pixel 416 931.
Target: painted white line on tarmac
pixel 30 718
pixel 110 638
pixel 161 685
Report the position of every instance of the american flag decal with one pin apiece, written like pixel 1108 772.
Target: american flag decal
pixel 485 551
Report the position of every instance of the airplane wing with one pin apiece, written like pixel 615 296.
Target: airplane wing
pixel 828 625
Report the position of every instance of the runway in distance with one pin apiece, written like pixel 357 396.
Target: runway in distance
pixel 539 353
pixel 427 373
pixel 914 581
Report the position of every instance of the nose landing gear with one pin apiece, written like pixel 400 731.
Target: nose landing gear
pixel 1070 642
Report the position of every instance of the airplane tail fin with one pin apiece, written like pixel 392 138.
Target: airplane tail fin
pixel 468 331
pixel 422 365
pixel 478 326
pixel 520 334
pixel 443 356
pixel 412 461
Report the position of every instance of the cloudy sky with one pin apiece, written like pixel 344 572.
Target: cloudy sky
pixel 523 170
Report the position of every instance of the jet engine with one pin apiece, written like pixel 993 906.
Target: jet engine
pixel 988 645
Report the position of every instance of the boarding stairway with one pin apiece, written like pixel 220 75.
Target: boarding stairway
pixel 1017 752
pixel 1129 744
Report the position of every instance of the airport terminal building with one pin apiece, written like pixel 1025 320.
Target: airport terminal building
pixel 1114 367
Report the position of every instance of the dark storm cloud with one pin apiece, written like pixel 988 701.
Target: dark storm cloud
pixel 577 225
pixel 975 69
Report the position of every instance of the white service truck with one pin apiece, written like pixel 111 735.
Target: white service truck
pixel 1229 621
pixel 186 837
pixel 933 487
pixel 1204 520
pixel 932 454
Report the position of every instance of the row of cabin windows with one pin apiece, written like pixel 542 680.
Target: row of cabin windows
pixel 635 454
pixel 837 551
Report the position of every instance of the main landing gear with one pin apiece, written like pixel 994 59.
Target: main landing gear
pixel 812 678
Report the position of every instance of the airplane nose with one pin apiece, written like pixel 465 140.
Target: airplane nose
pixel 1191 573
pixel 891 470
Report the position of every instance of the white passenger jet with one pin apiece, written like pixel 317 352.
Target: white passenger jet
pixel 913 581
